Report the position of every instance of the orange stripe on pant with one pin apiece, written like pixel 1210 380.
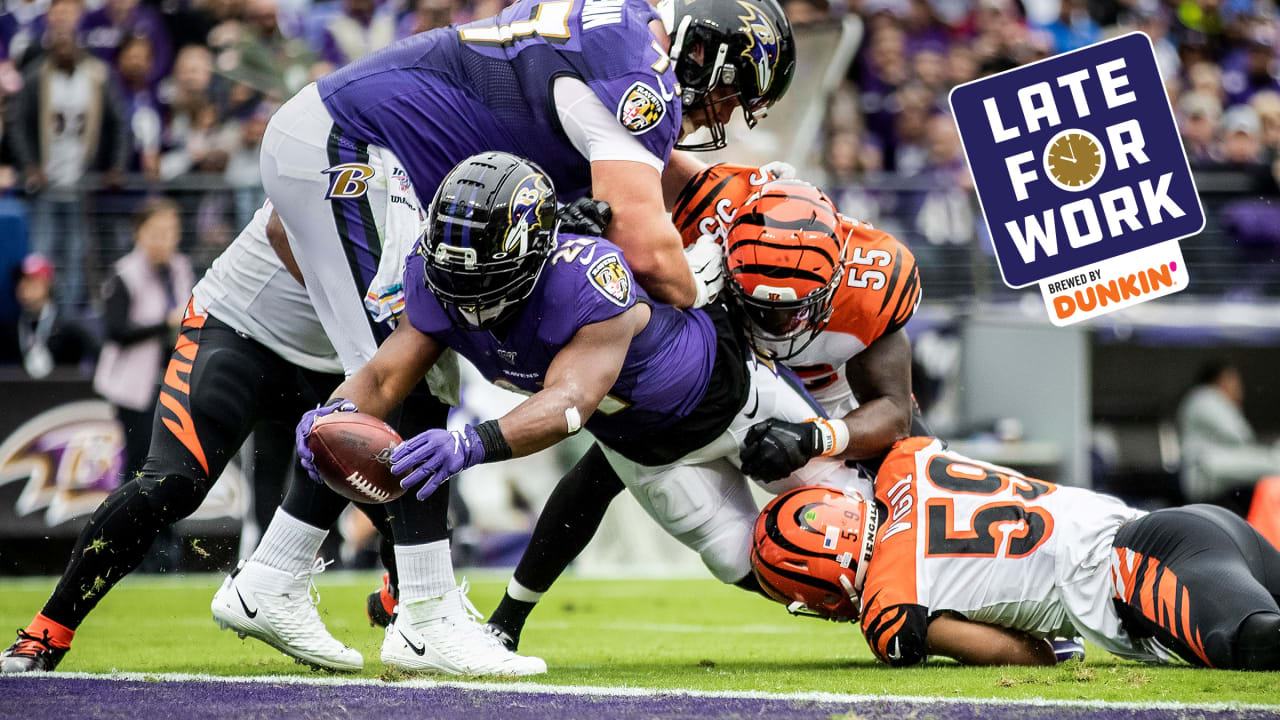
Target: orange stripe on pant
pixel 184 429
pixel 1158 602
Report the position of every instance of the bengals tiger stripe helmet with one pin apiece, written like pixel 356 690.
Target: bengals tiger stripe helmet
pixel 785 259
pixel 811 549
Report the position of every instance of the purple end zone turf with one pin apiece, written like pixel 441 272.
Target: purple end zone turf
pixel 78 698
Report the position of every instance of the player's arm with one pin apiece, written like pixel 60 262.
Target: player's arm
pixel 393 371
pixel 975 643
pixel 880 377
pixel 577 380
pixel 378 387
pixel 640 226
pixel 681 168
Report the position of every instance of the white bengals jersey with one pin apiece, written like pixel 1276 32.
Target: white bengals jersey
pixel 248 288
pixel 982 541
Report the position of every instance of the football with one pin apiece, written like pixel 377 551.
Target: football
pixel 353 456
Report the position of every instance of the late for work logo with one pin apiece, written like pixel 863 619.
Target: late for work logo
pixel 1082 177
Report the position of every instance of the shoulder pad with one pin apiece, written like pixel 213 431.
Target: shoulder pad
pixel 881 287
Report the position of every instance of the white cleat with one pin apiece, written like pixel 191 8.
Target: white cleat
pixel 277 608
pixel 444 635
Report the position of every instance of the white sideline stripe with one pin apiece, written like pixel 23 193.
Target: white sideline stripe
pixel 529 688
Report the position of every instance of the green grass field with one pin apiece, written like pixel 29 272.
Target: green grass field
pixel 694 634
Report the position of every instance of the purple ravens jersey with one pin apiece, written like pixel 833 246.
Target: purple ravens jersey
pixel 439 97
pixel 666 371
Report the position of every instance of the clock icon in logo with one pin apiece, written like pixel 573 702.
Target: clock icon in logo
pixel 1074 160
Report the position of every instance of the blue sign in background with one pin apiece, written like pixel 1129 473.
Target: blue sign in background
pixel 991 176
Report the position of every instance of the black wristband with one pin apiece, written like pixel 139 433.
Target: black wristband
pixel 495 445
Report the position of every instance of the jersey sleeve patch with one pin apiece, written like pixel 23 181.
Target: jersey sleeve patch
pixel 897 633
pixel 641 108
pixel 608 275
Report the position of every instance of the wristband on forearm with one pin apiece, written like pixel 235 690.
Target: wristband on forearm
pixel 494 443
pixel 833 436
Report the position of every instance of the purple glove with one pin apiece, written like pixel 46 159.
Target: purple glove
pixel 1068 649
pixel 434 456
pixel 305 456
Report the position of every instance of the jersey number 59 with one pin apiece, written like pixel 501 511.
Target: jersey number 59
pixel 1003 528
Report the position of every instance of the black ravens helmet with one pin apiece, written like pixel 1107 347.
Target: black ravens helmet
pixel 745 46
pixel 490 228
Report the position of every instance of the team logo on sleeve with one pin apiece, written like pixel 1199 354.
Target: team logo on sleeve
pixel 348 180
pixel 525 207
pixel 641 108
pixel 609 277
pixel 764 45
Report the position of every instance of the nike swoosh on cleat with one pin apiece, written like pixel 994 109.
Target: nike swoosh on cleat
pixel 243 604
pixel 751 415
pixel 420 650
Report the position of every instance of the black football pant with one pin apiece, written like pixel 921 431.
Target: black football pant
pixel 1203 583
pixel 217 387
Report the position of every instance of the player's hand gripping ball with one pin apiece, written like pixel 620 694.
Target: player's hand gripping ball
pixel 431 457
pixel 351 453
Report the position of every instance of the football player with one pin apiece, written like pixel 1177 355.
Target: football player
pixel 251 348
pixel 560 318
pixel 598 94
pixel 364 137
pixel 821 292
pixel 973 561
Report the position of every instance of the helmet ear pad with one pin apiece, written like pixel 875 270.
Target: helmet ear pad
pixel 490 228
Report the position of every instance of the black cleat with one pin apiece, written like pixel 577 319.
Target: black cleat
pixel 380 606
pixel 30 653
pixel 510 643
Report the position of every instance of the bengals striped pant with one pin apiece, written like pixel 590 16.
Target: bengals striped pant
pixel 1201 582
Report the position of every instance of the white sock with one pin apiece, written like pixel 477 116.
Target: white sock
pixel 425 571
pixel 516 591
pixel 289 544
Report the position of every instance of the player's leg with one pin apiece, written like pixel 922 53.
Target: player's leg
pixel 569 519
pixel 208 404
pixel 268 597
pixel 436 628
pixel 707 507
pixel 1194 580
pixel 328 195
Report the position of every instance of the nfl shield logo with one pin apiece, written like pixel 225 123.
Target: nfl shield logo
pixel 399 175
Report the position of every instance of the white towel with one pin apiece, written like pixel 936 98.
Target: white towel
pixel 384 298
